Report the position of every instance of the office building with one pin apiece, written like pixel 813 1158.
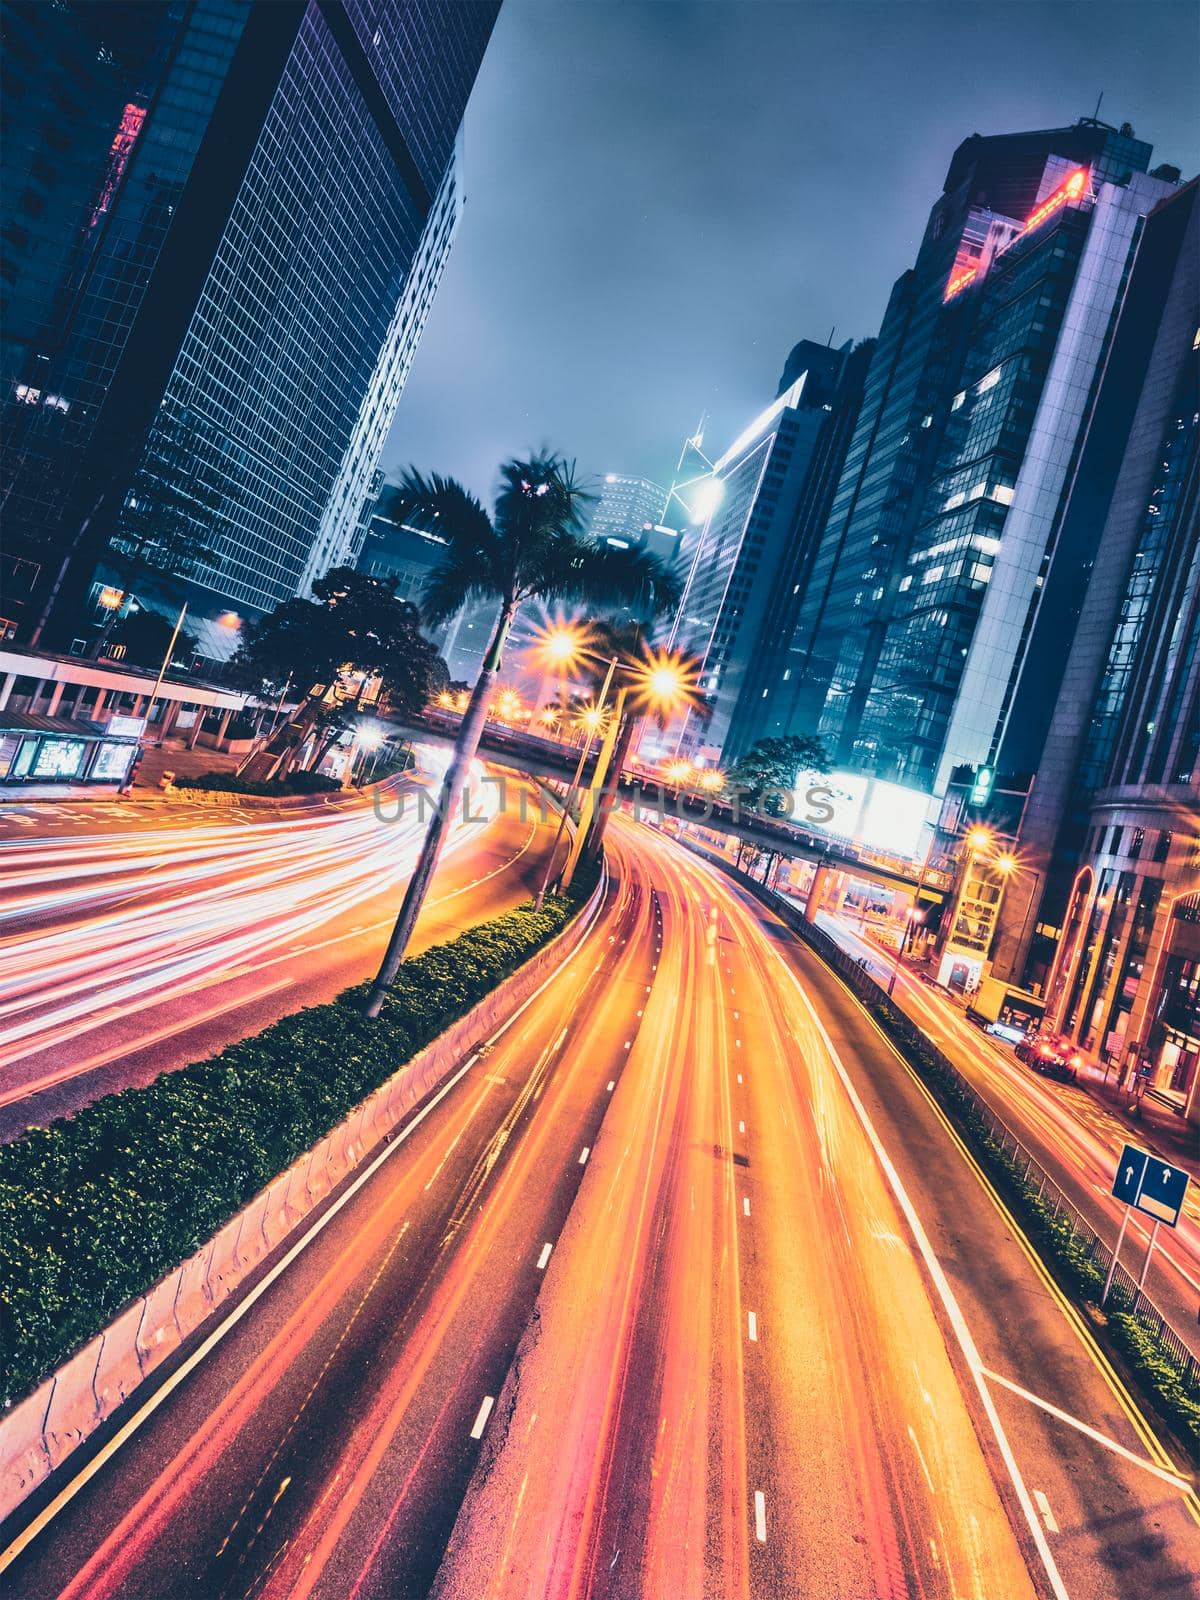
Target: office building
pixel 975 411
pixel 220 290
pixel 733 558
pixel 625 507
pixel 1104 915
pixel 772 702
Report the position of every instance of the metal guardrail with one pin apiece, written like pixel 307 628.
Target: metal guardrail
pixel 1124 1294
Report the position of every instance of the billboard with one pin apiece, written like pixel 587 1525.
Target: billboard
pixel 881 816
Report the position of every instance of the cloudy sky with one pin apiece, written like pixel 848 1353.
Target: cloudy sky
pixel 663 196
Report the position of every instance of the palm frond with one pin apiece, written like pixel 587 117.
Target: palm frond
pixel 473 565
pixel 603 575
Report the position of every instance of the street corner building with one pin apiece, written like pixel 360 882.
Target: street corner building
pixel 228 222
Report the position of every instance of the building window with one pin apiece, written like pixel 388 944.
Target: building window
pixel 1139 839
pixel 1162 848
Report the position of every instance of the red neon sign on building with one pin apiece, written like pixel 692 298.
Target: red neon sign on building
pixel 959 282
pixel 1073 187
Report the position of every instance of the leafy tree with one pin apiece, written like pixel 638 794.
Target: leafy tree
pixel 353 624
pixel 773 764
pixel 532 545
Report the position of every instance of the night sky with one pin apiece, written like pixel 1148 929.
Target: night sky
pixel 663 197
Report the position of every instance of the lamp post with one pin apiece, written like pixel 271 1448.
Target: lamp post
pixel 166 662
pixel 585 751
pixel 910 916
pixel 658 681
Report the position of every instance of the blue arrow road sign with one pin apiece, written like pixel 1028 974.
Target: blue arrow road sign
pixel 1131 1169
pixel 1153 1186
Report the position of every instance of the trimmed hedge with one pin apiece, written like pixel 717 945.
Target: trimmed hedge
pixel 230 783
pixel 96 1208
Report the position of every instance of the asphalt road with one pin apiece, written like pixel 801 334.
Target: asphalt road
pixel 786 1343
pixel 1074 1137
pixel 790 1344
pixel 134 940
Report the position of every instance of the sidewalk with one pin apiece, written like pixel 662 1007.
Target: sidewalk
pixel 1153 1126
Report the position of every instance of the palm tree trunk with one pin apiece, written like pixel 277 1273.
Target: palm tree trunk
pixel 465 747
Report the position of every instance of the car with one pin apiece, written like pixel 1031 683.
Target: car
pixel 1050 1056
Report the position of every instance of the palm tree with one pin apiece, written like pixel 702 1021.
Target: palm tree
pixel 532 544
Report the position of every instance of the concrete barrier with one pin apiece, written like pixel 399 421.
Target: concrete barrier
pixel 38 1434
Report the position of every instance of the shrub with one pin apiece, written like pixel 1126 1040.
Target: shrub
pixel 96 1208
pixel 231 783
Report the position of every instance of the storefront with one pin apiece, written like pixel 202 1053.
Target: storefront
pixel 37 751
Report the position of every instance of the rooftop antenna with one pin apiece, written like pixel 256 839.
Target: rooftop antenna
pixel 1096 113
pixel 829 341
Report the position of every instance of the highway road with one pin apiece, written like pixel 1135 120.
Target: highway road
pixel 683 1283
pixel 790 1344
pixel 134 940
pixel 1074 1137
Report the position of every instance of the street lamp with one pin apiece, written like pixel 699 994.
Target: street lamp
pixel 660 681
pixel 597 712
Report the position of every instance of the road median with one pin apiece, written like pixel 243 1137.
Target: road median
pixel 127 1226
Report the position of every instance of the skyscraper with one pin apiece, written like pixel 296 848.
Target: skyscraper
pixel 772 701
pixel 985 367
pixel 733 559
pixel 1103 914
pixel 625 507
pixel 248 228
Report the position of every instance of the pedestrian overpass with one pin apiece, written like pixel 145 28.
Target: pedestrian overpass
pixel 533 756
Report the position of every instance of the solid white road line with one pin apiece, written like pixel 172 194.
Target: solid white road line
pixel 746 1206
pixel 544 1257
pixel 753 1326
pixel 1172 1478
pixel 611 1085
pixel 584 1154
pixel 481 1416
pixel 950 1305
pixel 760 1516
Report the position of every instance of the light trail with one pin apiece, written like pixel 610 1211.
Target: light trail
pixel 97 926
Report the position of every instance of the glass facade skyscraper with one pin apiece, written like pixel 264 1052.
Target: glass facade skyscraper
pixel 1109 838
pixel 267 327
pixel 899 575
pixel 732 561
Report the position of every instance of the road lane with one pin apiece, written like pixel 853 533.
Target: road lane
pixel 126 952
pixel 1076 1140
pixel 1121 1525
pixel 322 1446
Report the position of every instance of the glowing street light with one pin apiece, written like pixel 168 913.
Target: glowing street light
pixel 664 681
pixel 712 779
pixel 562 646
pixel 979 838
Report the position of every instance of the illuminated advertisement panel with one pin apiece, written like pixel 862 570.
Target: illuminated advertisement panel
pixel 880 816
